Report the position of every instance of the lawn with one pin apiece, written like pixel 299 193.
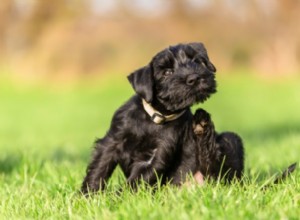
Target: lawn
pixel 46 136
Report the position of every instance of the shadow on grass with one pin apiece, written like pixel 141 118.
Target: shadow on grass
pixel 10 163
pixel 15 161
pixel 272 173
pixel 273 132
pixel 59 155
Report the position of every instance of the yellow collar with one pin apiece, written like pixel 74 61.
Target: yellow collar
pixel 157 117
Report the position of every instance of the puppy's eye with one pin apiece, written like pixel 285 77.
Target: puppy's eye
pixel 168 72
pixel 203 64
pixel 200 62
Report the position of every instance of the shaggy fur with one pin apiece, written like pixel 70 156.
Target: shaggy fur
pixel 175 79
pixel 219 155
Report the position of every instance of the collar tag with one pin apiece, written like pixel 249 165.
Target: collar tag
pixel 158 118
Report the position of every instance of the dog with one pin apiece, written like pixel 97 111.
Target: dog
pixel 220 156
pixel 150 136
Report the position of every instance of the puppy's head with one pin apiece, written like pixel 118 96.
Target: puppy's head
pixel 177 77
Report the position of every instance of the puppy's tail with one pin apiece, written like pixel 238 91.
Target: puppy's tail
pixel 285 173
pixel 281 177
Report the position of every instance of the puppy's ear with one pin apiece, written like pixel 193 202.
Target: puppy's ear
pixel 142 82
pixel 201 51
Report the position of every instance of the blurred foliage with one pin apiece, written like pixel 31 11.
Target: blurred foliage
pixel 65 39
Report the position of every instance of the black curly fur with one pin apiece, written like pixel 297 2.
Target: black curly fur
pixel 175 79
pixel 219 155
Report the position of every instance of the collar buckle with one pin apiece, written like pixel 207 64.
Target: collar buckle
pixel 158 118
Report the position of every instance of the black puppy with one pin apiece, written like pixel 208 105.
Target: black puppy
pixel 151 134
pixel 219 155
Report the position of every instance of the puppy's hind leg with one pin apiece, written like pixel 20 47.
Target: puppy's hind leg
pixel 232 155
pixel 220 155
pixel 101 167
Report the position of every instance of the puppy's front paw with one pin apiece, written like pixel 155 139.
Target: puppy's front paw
pixel 201 120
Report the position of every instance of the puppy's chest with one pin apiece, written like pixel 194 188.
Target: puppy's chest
pixel 151 137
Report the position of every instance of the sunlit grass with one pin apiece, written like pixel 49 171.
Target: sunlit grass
pixel 46 136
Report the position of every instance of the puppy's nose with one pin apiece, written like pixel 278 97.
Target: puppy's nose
pixel 192 79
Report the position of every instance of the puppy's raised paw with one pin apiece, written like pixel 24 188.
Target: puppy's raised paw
pixel 201 120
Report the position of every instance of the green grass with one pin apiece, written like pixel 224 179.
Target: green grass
pixel 46 136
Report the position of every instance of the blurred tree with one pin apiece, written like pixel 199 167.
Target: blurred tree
pixel 46 12
pixel 69 36
pixel 6 12
pixel 179 9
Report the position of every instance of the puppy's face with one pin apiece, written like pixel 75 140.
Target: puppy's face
pixel 177 77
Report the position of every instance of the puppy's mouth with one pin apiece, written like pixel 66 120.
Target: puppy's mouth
pixel 204 90
pixel 186 98
pixel 204 87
